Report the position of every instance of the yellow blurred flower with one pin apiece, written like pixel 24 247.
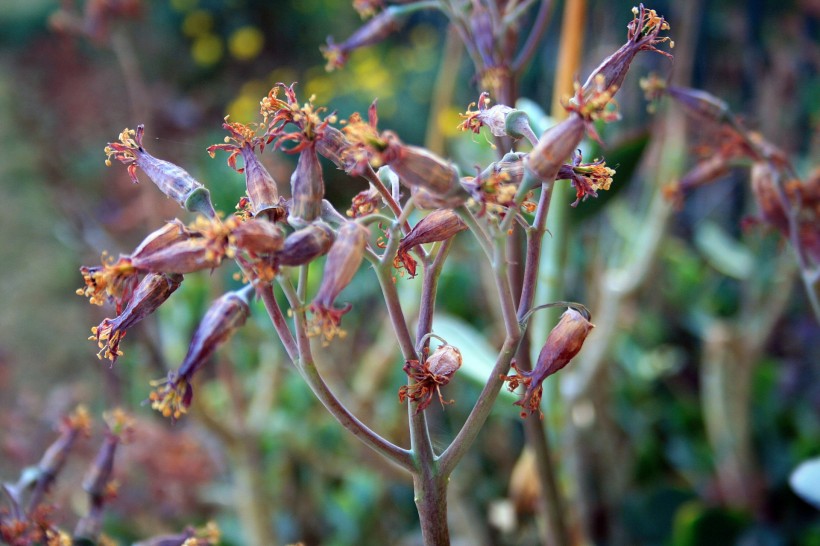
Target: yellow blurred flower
pixel 207 49
pixel 246 43
pixel 197 23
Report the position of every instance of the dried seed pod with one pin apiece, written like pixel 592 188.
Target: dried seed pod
pixel 227 314
pixel 172 232
pixel 436 372
pixel 555 146
pixel 418 167
pixel 152 292
pixel 374 31
pixel 307 187
pixel 343 261
pixel 211 243
pixel 172 180
pixel 258 237
pixel 700 104
pixel 563 343
pixel 437 226
pixel 305 245
pixel 425 199
pixel 332 145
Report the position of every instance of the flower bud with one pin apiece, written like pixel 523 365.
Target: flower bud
pixel 305 245
pixel 152 292
pixel 172 180
pixel 258 237
pixel 228 313
pixel 554 147
pixel 307 187
pixel 439 225
pixel 436 372
pixel 343 261
pixel 374 31
pixel 563 343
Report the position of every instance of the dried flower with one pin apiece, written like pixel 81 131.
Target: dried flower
pixel 365 203
pixel 502 120
pixel 262 189
pixel 418 167
pixel 173 181
pixel 258 237
pixel 113 281
pixel 152 292
pixel 563 343
pixel 372 32
pixel 279 114
pixel 586 178
pixel 439 225
pixel 305 245
pixel 172 232
pixel 425 199
pixel 343 261
pixel 307 187
pixel 554 147
pixel 436 372
pixel 173 395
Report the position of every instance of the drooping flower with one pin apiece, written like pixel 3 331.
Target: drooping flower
pixel 307 186
pixel 258 237
pixel 173 395
pixel 343 261
pixel 563 343
pixel 152 292
pixel 439 225
pixel 112 281
pixel 586 178
pixel 174 181
pixel 263 192
pixel 428 378
pixel 555 146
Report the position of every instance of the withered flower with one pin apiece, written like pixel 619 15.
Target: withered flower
pixel 151 292
pixel 112 281
pixel 586 178
pixel 343 261
pixel 563 343
pixel 173 395
pixel 172 180
pixel 365 203
pixel 418 167
pixel 172 232
pixel 262 189
pixel 439 225
pixel 704 172
pixel 258 237
pixel 372 32
pixel 278 114
pixel 307 187
pixel 332 145
pixel 425 199
pixel 305 245
pixel 436 372
pixel 555 146
pixel 502 120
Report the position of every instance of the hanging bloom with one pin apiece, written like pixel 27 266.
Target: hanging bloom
pixel 436 372
pixel 305 245
pixel 563 343
pixel 172 180
pixel 554 147
pixel 502 120
pixel 262 189
pixel 343 261
pixel 173 395
pixel 112 281
pixel 586 178
pixel 372 32
pixel 152 292
pixel 439 225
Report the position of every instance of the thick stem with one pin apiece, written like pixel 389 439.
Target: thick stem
pixel 430 495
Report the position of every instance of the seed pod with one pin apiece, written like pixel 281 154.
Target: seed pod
pixel 700 104
pixel 444 362
pixel 228 313
pixel 258 237
pixel 182 257
pixel 305 245
pixel 563 343
pixel 172 180
pixel 374 31
pixel 152 292
pixel 343 261
pixel 72 427
pixel 437 226
pixel 307 187
pixel 417 167
pixel 170 233
pixel 425 199
pixel 331 145
pixel 262 190
pixel 554 147
pixel 429 377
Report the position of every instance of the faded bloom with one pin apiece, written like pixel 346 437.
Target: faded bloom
pixel 417 167
pixel 586 178
pixel 502 120
pixel 343 261
pixel 258 237
pixel 554 147
pixel 173 395
pixel 439 225
pixel 563 343
pixel 365 203
pixel 112 281
pixel 305 245
pixel 372 32
pixel 173 181
pixel 307 187
pixel 262 190
pixel 436 372
pixel 152 292
pixel 279 114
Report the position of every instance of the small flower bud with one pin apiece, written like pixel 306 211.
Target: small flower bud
pixel 372 32
pixel 439 225
pixel 307 187
pixel 343 261
pixel 436 372
pixel 258 237
pixel 563 343
pixel 152 292
pixel 305 245
pixel 228 313
pixel 554 147
pixel 172 180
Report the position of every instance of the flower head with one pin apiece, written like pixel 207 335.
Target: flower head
pixel 428 378
pixel 282 114
pixel 112 281
pixel 586 178
pixel 563 343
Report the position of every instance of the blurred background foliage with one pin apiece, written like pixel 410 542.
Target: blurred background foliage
pixel 640 462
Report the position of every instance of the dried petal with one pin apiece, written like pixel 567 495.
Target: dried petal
pixel 439 225
pixel 418 167
pixel 428 378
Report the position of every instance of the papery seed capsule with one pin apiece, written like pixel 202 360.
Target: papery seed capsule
pixel 331 145
pixel 700 103
pixel 305 245
pixel 444 363
pixel 182 257
pixel 554 147
pixel 262 190
pixel 437 226
pixel 258 236
pixel 425 199
pixel 374 31
pixel 418 167
pixel 170 233
pixel 307 187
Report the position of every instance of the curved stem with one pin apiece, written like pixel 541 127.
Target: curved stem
pixel 265 293
pixel 542 20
